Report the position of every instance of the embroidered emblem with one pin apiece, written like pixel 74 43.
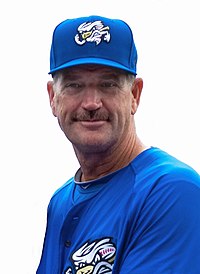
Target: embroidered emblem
pixel 92 32
pixel 95 257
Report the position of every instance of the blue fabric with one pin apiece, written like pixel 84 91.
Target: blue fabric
pixel 93 40
pixel 145 219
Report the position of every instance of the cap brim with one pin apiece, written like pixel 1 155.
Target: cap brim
pixel 98 61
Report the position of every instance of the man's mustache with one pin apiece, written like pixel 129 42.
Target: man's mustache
pixel 93 115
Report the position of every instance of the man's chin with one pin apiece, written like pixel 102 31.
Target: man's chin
pixel 91 147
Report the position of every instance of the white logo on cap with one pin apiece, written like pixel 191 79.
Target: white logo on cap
pixel 92 32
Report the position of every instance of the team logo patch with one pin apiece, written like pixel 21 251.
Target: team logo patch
pixel 92 32
pixel 93 258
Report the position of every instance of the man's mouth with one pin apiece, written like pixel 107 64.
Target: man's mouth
pixel 92 124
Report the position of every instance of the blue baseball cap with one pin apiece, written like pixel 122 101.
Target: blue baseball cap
pixel 93 40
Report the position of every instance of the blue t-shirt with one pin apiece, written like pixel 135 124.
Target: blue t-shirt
pixel 141 219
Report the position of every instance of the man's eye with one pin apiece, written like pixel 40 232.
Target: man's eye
pixel 72 85
pixel 108 84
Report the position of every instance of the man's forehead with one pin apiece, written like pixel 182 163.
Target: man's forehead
pixel 91 68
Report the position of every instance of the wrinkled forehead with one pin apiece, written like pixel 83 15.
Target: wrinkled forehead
pixel 77 70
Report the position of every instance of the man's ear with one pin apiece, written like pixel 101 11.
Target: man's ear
pixel 51 94
pixel 136 92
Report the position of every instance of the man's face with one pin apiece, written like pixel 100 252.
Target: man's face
pixel 94 106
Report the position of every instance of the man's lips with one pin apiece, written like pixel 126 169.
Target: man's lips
pixel 92 123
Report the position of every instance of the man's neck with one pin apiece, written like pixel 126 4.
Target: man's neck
pixel 97 165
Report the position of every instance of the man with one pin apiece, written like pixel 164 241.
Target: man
pixel 129 208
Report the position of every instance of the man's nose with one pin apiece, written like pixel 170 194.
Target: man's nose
pixel 91 99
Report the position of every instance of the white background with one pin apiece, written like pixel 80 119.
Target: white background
pixel 35 156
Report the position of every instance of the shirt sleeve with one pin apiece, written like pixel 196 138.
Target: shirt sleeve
pixel 168 229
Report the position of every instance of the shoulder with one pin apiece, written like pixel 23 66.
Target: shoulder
pixel 170 192
pixel 65 186
pixel 161 177
pixel 62 192
pixel 157 164
pixel 61 199
pixel 176 173
pixel 172 184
